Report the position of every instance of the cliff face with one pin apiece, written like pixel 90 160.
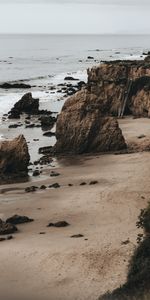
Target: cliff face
pixel 110 83
pixel 86 124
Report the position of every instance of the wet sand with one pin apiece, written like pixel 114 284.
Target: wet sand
pixel 54 266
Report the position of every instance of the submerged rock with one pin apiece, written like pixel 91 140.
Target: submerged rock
pixel 16 85
pixel 14 159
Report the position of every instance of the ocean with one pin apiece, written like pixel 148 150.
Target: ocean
pixel 44 60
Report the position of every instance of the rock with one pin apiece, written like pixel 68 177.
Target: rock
pixel 26 104
pixel 70 78
pixel 47 121
pixel 90 57
pixel 45 150
pixel 49 134
pixel 18 85
pixel 7 228
pixel 59 224
pixel 16 219
pixel 77 236
pixel 93 182
pixel 14 159
pixel 36 173
pixel 82 128
pixel 54 185
pixel 14 125
pixel 83 183
pixel 31 189
pixel 70 184
pixel 54 174
pixel 42 187
pixel 141 136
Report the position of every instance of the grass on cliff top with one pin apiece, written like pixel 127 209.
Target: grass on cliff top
pixel 137 286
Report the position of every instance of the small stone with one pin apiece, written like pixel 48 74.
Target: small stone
pixel 77 236
pixel 93 182
pixel 42 187
pixel 83 183
pixel 54 185
pixel 141 136
pixel 31 189
pixel 36 173
pixel 59 224
pixel 54 174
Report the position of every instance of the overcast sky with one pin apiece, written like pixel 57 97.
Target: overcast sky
pixel 78 16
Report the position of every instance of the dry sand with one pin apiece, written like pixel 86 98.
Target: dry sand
pixel 54 266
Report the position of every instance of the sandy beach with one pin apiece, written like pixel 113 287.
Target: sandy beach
pixel 52 265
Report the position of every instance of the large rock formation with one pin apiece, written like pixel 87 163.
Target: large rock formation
pixel 14 159
pixel 26 104
pixel 81 127
pixel 113 89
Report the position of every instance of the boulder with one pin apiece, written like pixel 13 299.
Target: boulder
pixel 82 128
pixel 14 159
pixel 26 104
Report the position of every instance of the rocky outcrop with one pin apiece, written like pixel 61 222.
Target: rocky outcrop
pixel 113 82
pixel 26 104
pixel 14 159
pixel 82 128
pixel 114 88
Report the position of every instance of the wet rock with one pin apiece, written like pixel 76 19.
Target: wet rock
pixel 31 189
pixel 49 134
pixel 36 173
pixel 90 57
pixel 45 150
pixel 70 78
pixel 14 159
pixel 7 228
pixel 8 85
pixel 47 121
pixel 54 185
pixel 59 224
pixel 83 183
pixel 16 219
pixel 26 104
pixel 14 125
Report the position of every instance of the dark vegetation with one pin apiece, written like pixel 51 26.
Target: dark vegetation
pixel 137 286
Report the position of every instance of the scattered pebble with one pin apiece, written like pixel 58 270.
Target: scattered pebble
pixel 93 182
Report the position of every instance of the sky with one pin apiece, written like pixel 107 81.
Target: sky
pixel 75 17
